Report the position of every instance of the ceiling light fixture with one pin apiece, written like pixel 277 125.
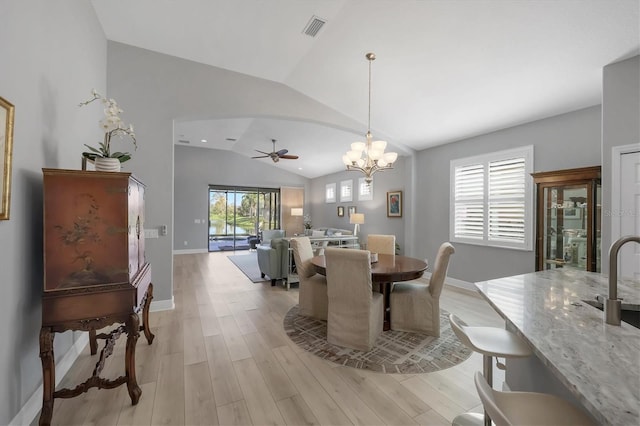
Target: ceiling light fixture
pixel 369 157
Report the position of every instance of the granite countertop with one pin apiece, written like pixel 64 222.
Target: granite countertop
pixel 599 363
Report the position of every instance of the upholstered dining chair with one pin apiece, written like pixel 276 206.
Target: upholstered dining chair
pixel 355 318
pixel 416 306
pixel 381 244
pixel 312 296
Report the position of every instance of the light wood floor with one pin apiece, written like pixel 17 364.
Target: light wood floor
pixel 222 357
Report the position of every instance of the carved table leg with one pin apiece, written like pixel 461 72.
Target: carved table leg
pixel 93 342
pixel 133 332
pixel 386 294
pixel 145 315
pixel 48 375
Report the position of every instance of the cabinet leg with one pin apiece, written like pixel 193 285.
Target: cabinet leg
pixel 133 332
pixel 48 375
pixel 145 315
pixel 93 342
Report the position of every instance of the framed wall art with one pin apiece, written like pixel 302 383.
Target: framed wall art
pixel 394 204
pixel 340 211
pixel 6 149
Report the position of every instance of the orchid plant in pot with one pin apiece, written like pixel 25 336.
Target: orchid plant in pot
pixel 103 157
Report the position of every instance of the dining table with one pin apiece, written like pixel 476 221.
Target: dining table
pixel 388 269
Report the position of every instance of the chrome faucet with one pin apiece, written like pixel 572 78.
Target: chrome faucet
pixel 613 305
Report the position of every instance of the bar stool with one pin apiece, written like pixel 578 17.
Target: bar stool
pixel 527 408
pixel 490 342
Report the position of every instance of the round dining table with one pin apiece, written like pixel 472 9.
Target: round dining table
pixel 388 269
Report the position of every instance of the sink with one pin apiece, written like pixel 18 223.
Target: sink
pixel 630 316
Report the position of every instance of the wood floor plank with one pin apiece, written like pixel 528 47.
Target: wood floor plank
pixel 296 412
pixel 200 404
pixel 442 404
pixel 319 401
pixel 170 383
pixel 194 350
pixel 141 413
pixel 233 339
pixel 223 377
pixel 260 403
pixel 234 414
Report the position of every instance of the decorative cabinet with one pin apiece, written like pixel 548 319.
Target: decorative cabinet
pixel 95 271
pixel 568 217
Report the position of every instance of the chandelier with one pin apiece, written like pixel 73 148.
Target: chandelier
pixel 369 157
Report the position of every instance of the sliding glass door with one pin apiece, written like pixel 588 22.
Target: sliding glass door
pixel 237 215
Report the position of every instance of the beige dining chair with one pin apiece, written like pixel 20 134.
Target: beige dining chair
pixel 356 315
pixel 312 296
pixel 416 306
pixel 381 244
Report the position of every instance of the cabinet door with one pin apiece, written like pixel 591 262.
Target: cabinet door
pixel 133 228
pixel 141 253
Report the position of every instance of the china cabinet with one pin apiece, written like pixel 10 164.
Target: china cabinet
pixel 568 217
pixel 95 272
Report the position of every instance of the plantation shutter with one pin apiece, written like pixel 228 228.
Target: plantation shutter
pixel 469 201
pixel 506 200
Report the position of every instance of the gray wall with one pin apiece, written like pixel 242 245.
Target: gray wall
pixel 154 89
pixel 620 126
pixel 560 142
pixel 51 55
pixel 196 169
pixel 375 211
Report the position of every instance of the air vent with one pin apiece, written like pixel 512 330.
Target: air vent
pixel 313 26
pixel 183 141
pixel 230 139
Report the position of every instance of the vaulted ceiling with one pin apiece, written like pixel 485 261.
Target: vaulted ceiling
pixel 445 69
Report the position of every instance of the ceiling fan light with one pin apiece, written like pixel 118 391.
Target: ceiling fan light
pixel 390 157
pixel 358 146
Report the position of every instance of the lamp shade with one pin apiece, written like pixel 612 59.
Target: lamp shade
pixel 357 218
pixel 296 211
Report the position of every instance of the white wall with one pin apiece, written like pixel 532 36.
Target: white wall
pixel 620 126
pixel 51 55
pixel 560 142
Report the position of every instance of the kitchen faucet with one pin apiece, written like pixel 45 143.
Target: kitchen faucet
pixel 613 305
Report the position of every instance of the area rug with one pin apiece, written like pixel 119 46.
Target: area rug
pixel 394 352
pixel 248 264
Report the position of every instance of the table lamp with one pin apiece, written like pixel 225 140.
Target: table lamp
pixel 356 219
pixel 297 212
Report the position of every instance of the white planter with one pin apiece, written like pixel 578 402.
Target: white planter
pixel 107 164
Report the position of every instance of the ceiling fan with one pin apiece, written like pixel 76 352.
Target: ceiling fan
pixel 276 155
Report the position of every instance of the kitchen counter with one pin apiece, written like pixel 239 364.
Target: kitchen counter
pixel 598 363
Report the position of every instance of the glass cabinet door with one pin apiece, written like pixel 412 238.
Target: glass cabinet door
pixel 568 219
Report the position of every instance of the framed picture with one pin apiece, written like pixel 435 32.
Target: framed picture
pixel 351 209
pixel 572 213
pixel 394 204
pixel 346 190
pixel 340 211
pixel 365 190
pixel 330 193
pixel 6 149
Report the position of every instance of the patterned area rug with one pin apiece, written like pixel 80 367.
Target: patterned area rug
pixel 394 352
pixel 248 264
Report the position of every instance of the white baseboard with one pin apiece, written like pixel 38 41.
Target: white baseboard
pixel 465 285
pixel 162 305
pixel 30 410
pixel 190 251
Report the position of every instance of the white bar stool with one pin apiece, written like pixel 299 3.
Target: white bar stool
pixel 490 342
pixel 528 408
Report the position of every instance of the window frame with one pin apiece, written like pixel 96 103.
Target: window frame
pixel 485 160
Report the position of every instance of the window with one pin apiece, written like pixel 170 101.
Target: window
pixel 491 199
pixel 330 193
pixel 346 190
pixel 365 190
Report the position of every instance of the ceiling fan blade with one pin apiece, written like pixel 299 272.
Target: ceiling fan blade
pixel 262 152
pixel 289 157
pixel 282 152
pixel 262 156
